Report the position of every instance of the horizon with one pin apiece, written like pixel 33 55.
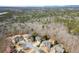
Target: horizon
pixel 42 6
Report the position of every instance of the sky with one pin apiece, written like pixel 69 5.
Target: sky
pixel 38 2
